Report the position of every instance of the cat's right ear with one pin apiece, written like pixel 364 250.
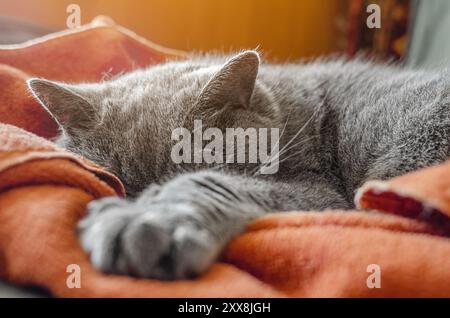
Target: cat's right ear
pixel 65 105
pixel 233 83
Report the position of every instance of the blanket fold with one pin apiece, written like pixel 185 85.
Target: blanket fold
pixel 94 52
pixel 44 191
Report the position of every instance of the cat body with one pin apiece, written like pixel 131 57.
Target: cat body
pixel 341 123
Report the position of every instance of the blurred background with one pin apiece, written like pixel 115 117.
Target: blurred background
pixel 414 31
pixel 286 28
pixel 283 29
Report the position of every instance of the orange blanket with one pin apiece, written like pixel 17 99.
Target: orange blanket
pixel 44 191
pixel 93 52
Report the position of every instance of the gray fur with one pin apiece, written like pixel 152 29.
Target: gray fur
pixel 345 122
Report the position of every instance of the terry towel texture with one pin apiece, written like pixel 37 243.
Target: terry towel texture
pixel 44 191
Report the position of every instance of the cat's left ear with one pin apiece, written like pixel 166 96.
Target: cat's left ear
pixel 233 83
pixel 69 108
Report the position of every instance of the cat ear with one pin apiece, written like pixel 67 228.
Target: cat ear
pixel 68 107
pixel 233 83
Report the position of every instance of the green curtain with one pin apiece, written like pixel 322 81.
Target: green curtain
pixel 429 46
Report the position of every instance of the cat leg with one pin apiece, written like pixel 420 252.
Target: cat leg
pixel 177 230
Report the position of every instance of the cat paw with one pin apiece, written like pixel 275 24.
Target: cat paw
pixel 154 241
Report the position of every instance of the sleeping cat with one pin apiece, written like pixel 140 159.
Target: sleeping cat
pixel 341 123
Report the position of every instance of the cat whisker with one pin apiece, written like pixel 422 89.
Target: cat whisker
pixel 280 152
pixel 279 138
pixel 300 143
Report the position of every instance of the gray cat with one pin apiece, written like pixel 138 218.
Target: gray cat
pixel 342 123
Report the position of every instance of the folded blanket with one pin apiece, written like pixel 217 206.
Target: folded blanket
pixel 44 191
pixel 93 52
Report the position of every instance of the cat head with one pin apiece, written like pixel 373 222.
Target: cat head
pixel 126 124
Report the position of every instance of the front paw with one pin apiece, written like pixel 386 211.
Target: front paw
pixel 159 241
